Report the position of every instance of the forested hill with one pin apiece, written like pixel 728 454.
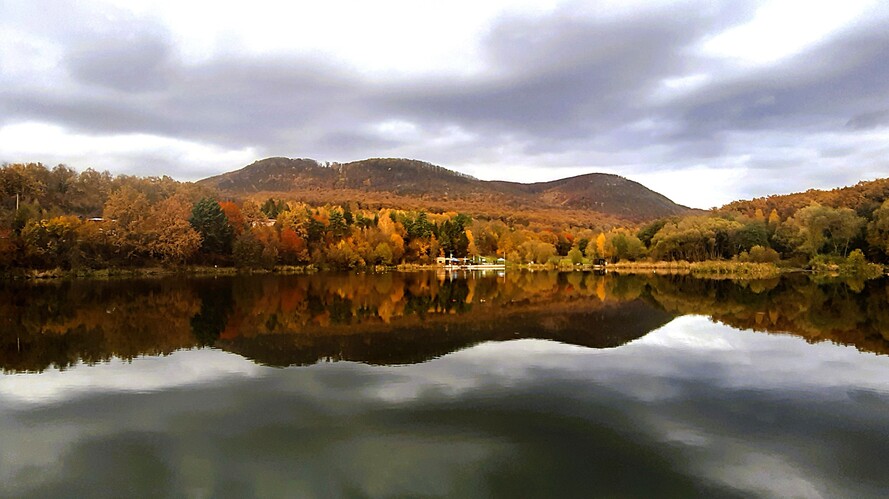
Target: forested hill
pixel 407 183
pixel 863 198
pixel 388 212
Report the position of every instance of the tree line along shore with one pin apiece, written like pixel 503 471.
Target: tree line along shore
pixel 61 222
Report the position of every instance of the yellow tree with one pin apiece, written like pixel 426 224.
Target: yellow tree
pixel 471 249
pixel 126 206
pixel 397 243
pixel 51 242
pixel 167 233
pixel 759 216
pixel 774 219
pixel 600 245
pixel 125 210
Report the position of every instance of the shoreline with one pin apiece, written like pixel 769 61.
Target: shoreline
pixel 712 269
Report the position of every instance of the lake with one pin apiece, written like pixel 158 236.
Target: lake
pixel 510 384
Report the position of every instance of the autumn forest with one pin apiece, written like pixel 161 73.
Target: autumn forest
pixel 58 218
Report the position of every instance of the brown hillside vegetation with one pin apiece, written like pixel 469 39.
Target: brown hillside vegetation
pixel 412 184
pixel 863 197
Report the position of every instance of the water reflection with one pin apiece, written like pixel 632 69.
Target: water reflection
pixel 847 313
pixel 694 409
pixel 398 318
pixel 685 407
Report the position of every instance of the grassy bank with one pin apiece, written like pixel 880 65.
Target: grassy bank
pixel 728 269
pixel 717 269
pixel 714 269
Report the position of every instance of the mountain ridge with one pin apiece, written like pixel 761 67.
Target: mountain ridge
pixel 408 182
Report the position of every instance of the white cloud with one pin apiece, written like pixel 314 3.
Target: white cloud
pixel 387 38
pixel 679 86
pixel 698 186
pixel 784 28
pixel 123 153
pixel 397 130
pixel 27 57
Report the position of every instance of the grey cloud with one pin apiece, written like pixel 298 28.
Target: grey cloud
pixel 869 120
pixel 134 64
pixel 564 77
pixel 837 152
pixel 552 78
pixel 820 88
pixel 89 113
pixel 352 142
pixel 128 79
pixel 230 102
pixel 559 84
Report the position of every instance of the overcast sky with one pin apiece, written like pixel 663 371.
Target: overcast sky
pixel 704 101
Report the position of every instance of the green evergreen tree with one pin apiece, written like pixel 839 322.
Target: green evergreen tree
pixel 420 227
pixel 211 223
pixel 337 227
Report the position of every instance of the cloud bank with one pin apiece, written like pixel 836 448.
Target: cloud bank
pixel 703 101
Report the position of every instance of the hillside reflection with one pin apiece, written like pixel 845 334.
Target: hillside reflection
pixel 847 313
pixel 398 318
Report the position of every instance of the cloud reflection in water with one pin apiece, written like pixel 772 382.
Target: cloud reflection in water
pixel 694 408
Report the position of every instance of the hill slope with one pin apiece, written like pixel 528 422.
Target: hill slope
pixel 863 197
pixel 406 183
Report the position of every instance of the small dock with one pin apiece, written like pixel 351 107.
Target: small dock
pixel 477 263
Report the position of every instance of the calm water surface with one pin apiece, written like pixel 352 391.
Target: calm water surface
pixel 378 385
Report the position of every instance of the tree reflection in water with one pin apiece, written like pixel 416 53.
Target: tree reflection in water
pixel 396 318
